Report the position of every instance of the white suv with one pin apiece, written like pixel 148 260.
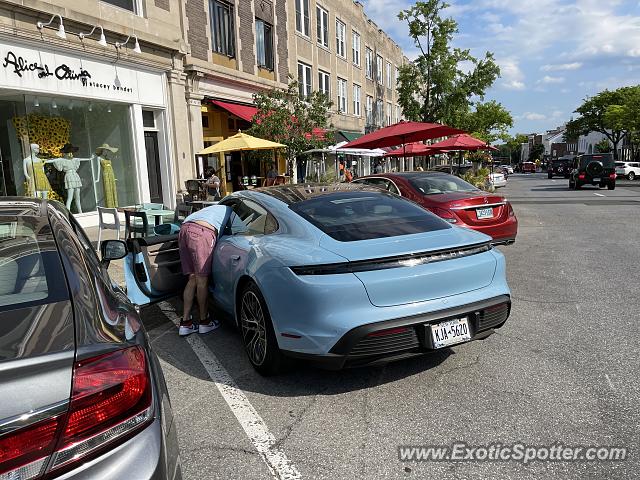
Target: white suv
pixel 631 170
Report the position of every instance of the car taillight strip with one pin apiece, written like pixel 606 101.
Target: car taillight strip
pixel 475 207
pixel 26 472
pixel 403 261
pixel 85 447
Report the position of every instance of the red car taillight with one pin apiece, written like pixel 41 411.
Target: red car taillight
pixel 446 215
pixel 511 212
pixel 23 453
pixel 612 176
pixel 111 399
pixel 581 176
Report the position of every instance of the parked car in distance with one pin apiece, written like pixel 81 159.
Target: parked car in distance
pixel 560 167
pixel 593 169
pixel 454 200
pixel 458 170
pixel 528 167
pixel 342 275
pixel 630 170
pixel 508 168
pixel 82 392
pixel 497 179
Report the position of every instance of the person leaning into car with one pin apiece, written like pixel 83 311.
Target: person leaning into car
pixel 196 241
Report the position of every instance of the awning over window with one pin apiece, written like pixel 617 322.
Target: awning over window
pixel 350 136
pixel 245 112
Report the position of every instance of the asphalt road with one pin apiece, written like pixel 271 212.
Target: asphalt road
pixel 564 369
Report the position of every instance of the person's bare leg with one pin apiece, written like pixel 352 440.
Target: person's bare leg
pixel 203 295
pixel 187 299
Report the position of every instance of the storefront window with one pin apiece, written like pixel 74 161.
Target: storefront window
pixel 75 151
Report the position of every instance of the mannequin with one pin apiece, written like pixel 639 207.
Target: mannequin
pixel 72 181
pixel 104 155
pixel 32 165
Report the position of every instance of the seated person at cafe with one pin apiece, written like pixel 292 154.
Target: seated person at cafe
pixel 272 173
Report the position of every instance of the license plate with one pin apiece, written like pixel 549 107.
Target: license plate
pixel 484 213
pixel 450 332
pixel 596 180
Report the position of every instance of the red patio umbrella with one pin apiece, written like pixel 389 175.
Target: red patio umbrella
pixel 402 133
pixel 417 149
pixel 462 142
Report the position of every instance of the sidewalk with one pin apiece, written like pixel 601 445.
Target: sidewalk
pixel 116 268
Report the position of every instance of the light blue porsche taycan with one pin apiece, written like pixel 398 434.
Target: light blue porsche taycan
pixel 343 275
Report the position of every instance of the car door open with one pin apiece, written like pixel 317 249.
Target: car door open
pixel 153 271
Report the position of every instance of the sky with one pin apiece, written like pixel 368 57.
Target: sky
pixel 552 53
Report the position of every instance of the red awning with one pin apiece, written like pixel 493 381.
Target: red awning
pixel 402 133
pixel 245 112
pixel 413 150
pixel 462 142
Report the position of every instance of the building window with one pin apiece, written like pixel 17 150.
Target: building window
pixel 388 75
pixel 322 18
pixel 397 113
pixel 355 47
pixel 369 111
pixel 369 63
pixel 323 82
pixel 304 79
pixel 302 17
pixel 264 44
pixel 342 95
pixel 397 75
pixel 379 72
pixel 341 29
pixel 379 113
pixel 389 113
pixel 222 30
pixel 131 5
pixel 356 99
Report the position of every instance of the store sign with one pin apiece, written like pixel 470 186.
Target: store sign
pixel 40 71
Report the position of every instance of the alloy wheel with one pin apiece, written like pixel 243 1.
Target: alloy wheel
pixel 254 333
pixel 631 175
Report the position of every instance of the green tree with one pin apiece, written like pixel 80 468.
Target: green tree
pixel 285 117
pixel 512 147
pixel 489 121
pixel 435 87
pixel 626 115
pixel 603 146
pixel 536 152
pixel 594 118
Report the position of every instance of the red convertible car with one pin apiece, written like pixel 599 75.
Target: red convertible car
pixel 454 200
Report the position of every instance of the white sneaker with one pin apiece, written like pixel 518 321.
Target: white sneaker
pixel 185 330
pixel 208 327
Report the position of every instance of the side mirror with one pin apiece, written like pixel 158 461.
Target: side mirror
pixel 112 250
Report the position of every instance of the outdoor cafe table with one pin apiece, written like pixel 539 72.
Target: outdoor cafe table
pixel 199 204
pixel 157 214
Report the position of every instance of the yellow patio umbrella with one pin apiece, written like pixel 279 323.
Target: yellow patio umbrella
pixel 239 142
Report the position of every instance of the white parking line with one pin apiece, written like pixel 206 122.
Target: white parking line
pixel 250 420
pixel 599 195
pixel 610 382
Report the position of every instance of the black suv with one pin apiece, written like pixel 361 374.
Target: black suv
pixel 560 167
pixel 594 169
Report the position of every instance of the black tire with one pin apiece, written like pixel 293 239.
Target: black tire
pixel 611 186
pixel 595 169
pixel 577 186
pixel 257 332
pixel 631 176
pixel 572 185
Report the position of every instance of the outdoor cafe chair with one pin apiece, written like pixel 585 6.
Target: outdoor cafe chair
pixel 135 222
pixel 105 224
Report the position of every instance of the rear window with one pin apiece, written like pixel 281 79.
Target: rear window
pixel 30 269
pixel 621 164
pixel 605 159
pixel 352 216
pixel 433 185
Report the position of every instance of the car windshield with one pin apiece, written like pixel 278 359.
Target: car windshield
pixel 606 159
pixel 435 184
pixel 30 270
pixel 352 216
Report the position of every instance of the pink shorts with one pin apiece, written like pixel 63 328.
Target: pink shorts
pixel 196 244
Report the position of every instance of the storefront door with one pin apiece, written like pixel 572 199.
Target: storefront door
pixel 153 166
